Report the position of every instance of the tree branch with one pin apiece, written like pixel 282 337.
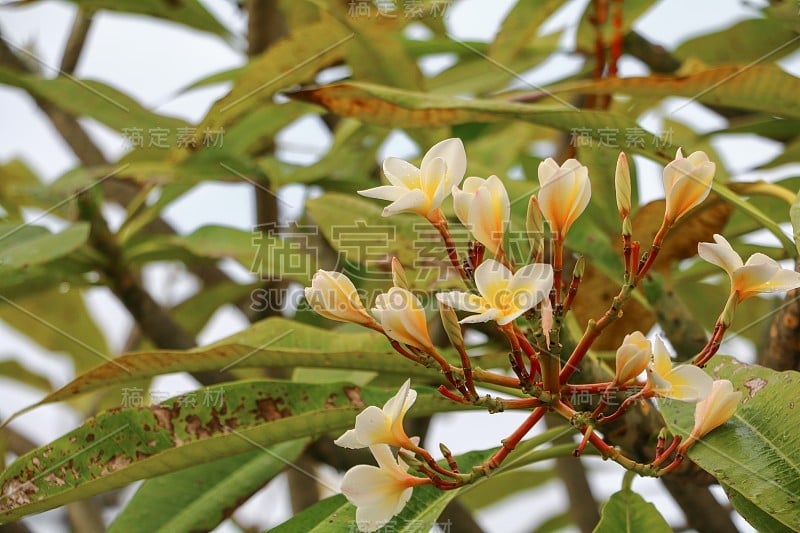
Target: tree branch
pixel 76 40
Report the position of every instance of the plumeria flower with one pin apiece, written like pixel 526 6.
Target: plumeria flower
pixel 482 205
pixel 564 193
pixel 687 182
pixel 503 296
pixel 421 190
pixel 683 382
pixel 633 356
pixel 403 318
pixel 334 296
pixel 379 492
pixel 382 426
pixel 759 274
pixel 715 410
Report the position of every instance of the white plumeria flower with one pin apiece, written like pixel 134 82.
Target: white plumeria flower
pixel 715 410
pixel 334 296
pixel 382 426
pixel 379 492
pixel 482 205
pixel 633 356
pixel 760 274
pixel 503 296
pixel 564 193
pixel 403 318
pixel 421 190
pixel 686 383
pixel 687 182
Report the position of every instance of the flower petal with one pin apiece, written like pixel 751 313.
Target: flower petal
pixel 689 383
pixel 350 440
pixel 547 169
pixel 396 406
pixel 463 301
pixel 384 192
pixel 433 182
pixel 372 426
pixel 662 361
pixel 401 173
pixel 491 276
pixel 413 201
pixel 486 316
pixel 720 253
pixel 535 280
pixel 453 153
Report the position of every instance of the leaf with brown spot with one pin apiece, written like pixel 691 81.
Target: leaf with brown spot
pixel 182 435
pixel 396 108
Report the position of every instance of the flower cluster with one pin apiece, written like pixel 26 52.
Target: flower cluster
pixel 528 304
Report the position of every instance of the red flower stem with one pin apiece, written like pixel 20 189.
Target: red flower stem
pixel 571 292
pixel 515 356
pixel 627 250
pixel 440 223
pixel 450 395
pixel 529 350
pixel 466 366
pixel 630 400
pixel 673 465
pixel 587 432
pixel 594 388
pixel 658 240
pixel 405 353
pixel 431 462
pixel 661 457
pixel 486 376
pixel 558 264
pixel 510 442
pixel 712 346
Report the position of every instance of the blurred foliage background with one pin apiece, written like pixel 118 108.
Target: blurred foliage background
pixel 358 67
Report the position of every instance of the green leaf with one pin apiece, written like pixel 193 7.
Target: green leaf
pixel 94 99
pixel 745 41
pixel 60 322
pixel 13 370
pixel 627 511
pixel 760 520
pixel 757 215
pixel 755 453
pixel 120 446
pixel 756 88
pixel 274 342
pixel 200 497
pixel 297 58
pixel 355 228
pixel 190 13
pixel 376 52
pixel 554 523
pixel 520 28
pixel 43 248
pixel 497 488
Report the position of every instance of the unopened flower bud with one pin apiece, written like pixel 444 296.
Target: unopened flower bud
pixel 399 275
pixel 622 185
